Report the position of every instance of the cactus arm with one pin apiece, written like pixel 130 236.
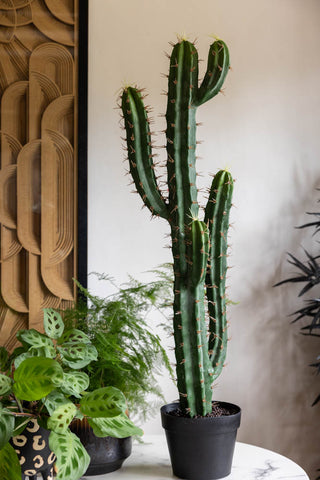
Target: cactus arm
pixel 200 251
pixel 193 364
pixel 217 217
pixel 217 70
pixel 140 151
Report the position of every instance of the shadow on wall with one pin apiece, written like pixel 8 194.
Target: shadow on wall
pixel 280 386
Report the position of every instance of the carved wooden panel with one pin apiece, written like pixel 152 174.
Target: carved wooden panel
pixel 39 66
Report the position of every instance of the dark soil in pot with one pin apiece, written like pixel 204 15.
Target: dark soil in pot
pixel 201 448
pixel 107 454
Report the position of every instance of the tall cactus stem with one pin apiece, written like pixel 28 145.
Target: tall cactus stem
pixel 195 243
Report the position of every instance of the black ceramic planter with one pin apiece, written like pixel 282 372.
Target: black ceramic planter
pixel 106 454
pixel 201 448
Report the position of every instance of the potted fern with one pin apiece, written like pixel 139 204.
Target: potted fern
pixel 129 356
pixel 200 442
pixel 41 391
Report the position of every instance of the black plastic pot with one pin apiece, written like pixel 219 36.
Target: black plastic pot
pixel 107 454
pixel 201 448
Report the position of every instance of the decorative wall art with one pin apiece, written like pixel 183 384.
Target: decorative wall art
pixel 43 112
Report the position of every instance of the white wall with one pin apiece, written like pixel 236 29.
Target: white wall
pixel 266 130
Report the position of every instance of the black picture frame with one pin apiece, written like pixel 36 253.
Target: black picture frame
pixel 83 144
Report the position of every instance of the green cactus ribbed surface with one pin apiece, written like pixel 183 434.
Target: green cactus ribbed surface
pixel 217 218
pixel 198 247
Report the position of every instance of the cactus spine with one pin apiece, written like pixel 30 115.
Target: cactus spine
pixel 198 247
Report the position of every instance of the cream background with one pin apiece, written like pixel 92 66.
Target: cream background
pixel 266 130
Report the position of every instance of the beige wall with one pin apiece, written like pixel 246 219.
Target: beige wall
pixel 266 130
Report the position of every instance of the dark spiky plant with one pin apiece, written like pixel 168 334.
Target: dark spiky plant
pixel 198 246
pixel 309 275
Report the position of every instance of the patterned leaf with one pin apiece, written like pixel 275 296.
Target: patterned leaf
pixel 34 338
pixel 47 351
pixel 6 426
pixel 53 323
pixel 61 418
pixel 36 377
pixel 55 400
pixel 5 384
pixel 119 427
pixel 74 336
pixel 9 464
pixel 77 356
pixel 72 458
pixel 74 383
pixel 103 402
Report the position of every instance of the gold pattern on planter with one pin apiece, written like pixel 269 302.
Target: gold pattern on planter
pixel 38 160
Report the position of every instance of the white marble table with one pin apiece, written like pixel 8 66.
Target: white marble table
pixel 150 461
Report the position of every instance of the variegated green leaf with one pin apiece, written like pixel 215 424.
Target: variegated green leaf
pixel 72 458
pixel 36 377
pixel 78 355
pixel 61 418
pixel 34 338
pixel 48 352
pixel 74 336
pixel 20 358
pixel 54 400
pixel 6 426
pixel 119 427
pixel 9 464
pixel 5 384
pixel 103 402
pixel 73 351
pixel 53 323
pixel 74 383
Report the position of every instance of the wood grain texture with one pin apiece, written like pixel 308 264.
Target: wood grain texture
pixel 38 167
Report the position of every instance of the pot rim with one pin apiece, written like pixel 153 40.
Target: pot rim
pixel 225 422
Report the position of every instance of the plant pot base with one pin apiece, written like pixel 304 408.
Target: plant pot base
pixel 101 468
pixel 107 454
pixel 201 448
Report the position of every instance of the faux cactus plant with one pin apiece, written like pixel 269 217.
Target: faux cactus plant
pixel 199 247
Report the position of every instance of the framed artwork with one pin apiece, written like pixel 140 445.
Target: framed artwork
pixel 43 158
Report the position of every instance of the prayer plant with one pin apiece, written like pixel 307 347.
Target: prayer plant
pixel 42 380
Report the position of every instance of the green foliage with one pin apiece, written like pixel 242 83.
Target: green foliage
pixel 75 383
pixel 6 426
pixel 61 417
pixel 130 355
pixel 72 458
pixel 198 248
pixel 40 381
pixel 33 338
pixel 308 273
pixel 5 384
pixel 53 323
pixel 36 377
pixel 121 425
pixel 9 464
pixel 104 402
pixel 77 355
